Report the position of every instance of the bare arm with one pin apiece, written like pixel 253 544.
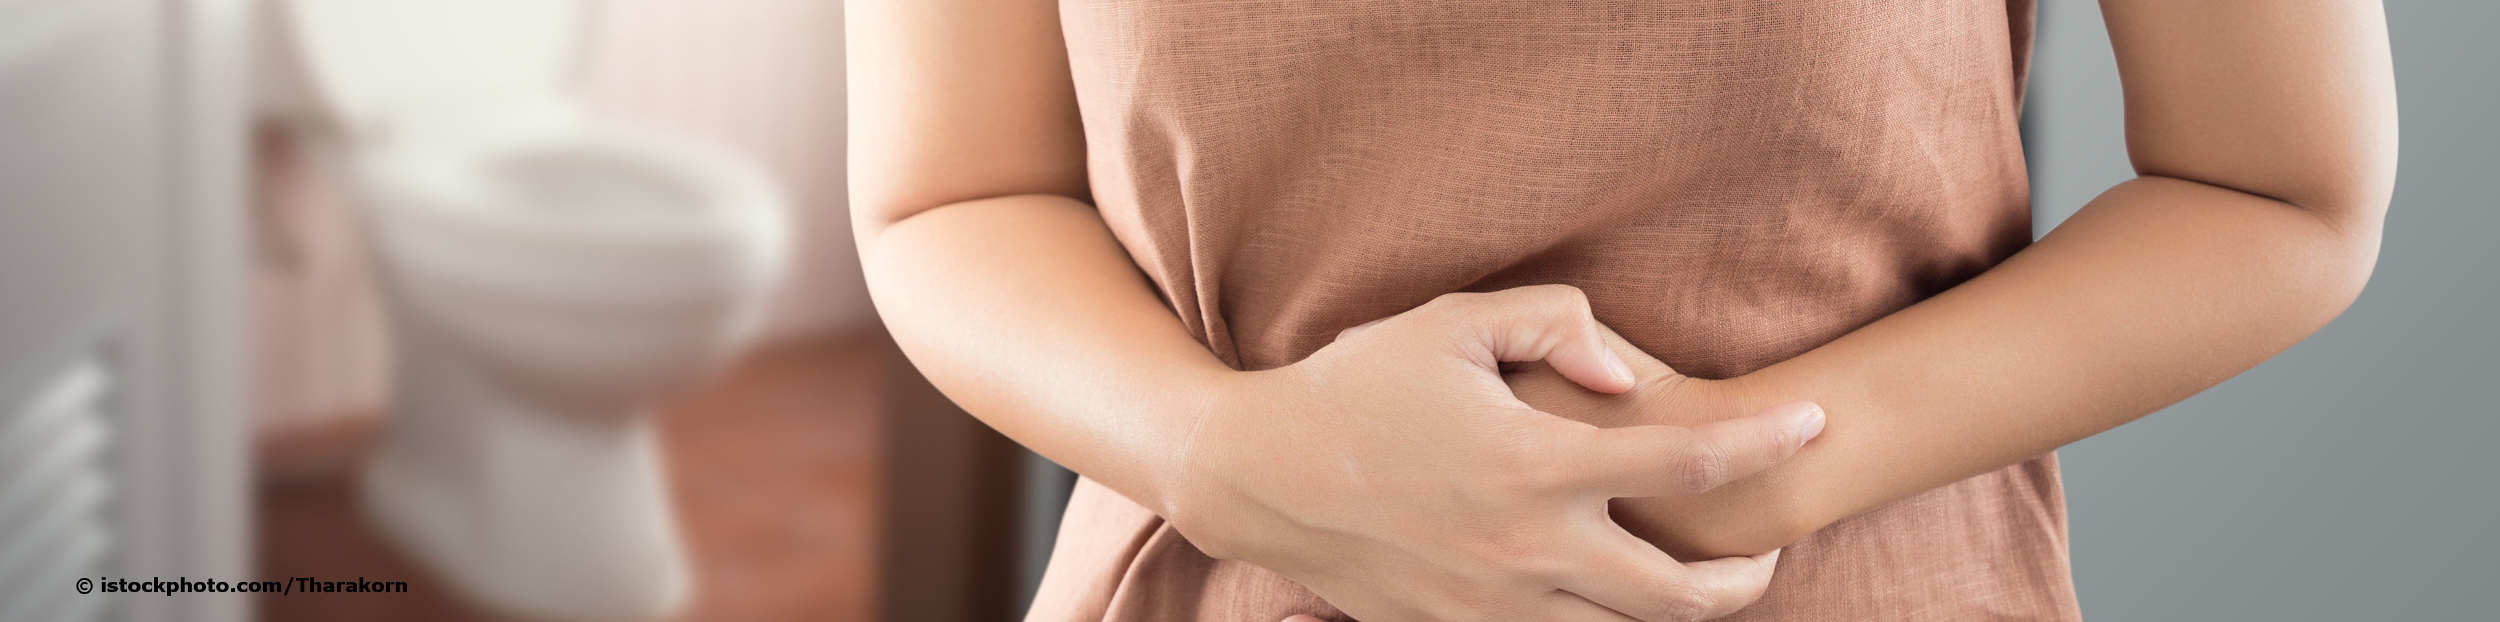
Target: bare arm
pixel 2263 135
pixel 967 169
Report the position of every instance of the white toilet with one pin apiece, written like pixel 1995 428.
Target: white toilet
pixel 548 276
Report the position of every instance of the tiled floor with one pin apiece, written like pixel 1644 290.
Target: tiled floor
pixel 775 475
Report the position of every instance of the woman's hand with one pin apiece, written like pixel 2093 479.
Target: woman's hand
pixel 1395 475
pixel 1745 518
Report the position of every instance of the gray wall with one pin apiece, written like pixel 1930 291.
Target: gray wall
pixel 2352 477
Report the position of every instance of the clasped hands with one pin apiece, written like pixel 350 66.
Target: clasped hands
pixel 1402 474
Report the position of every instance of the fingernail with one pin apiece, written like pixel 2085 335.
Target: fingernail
pixel 1808 418
pixel 1616 367
pixel 1813 423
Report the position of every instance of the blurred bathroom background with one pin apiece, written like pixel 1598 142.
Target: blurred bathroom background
pixel 197 358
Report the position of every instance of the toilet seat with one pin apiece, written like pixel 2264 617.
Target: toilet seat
pixel 558 208
pixel 548 223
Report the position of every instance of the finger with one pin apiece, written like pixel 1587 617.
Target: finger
pixel 1629 575
pixel 1349 332
pixel 1654 460
pixel 1569 607
pixel 1737 581
pixel 1551 323
pixel 1304 618
pixel 1643 365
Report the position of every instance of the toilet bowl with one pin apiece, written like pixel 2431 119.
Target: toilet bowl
pixel 547 275
pixel 544 288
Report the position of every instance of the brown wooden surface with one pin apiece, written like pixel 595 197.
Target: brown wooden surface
pixel 775 468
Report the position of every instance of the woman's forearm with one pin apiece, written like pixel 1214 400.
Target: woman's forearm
pixel 2264 139
pixel 1026 312
pixel 2158 289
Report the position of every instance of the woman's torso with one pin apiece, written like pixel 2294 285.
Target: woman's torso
pixel 1731 182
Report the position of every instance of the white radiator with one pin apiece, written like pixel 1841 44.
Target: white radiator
pixel 54 492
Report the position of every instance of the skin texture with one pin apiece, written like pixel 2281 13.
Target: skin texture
pixel 1010 294
pixel 2263 135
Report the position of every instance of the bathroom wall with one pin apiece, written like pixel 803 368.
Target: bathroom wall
pixel 763 77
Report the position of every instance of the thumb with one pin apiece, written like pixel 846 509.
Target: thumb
pixel 1744 579
pixel 1656 460
pixel 1303 618
pixel 1551 323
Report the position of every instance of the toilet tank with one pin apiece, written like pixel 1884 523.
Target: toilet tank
pixel 345 64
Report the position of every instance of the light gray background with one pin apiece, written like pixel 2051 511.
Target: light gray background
pixel 2350 478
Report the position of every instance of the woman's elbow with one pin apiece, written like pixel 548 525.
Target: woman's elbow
pixel 2354 216
pixel 2346 193
pixel 2351 190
